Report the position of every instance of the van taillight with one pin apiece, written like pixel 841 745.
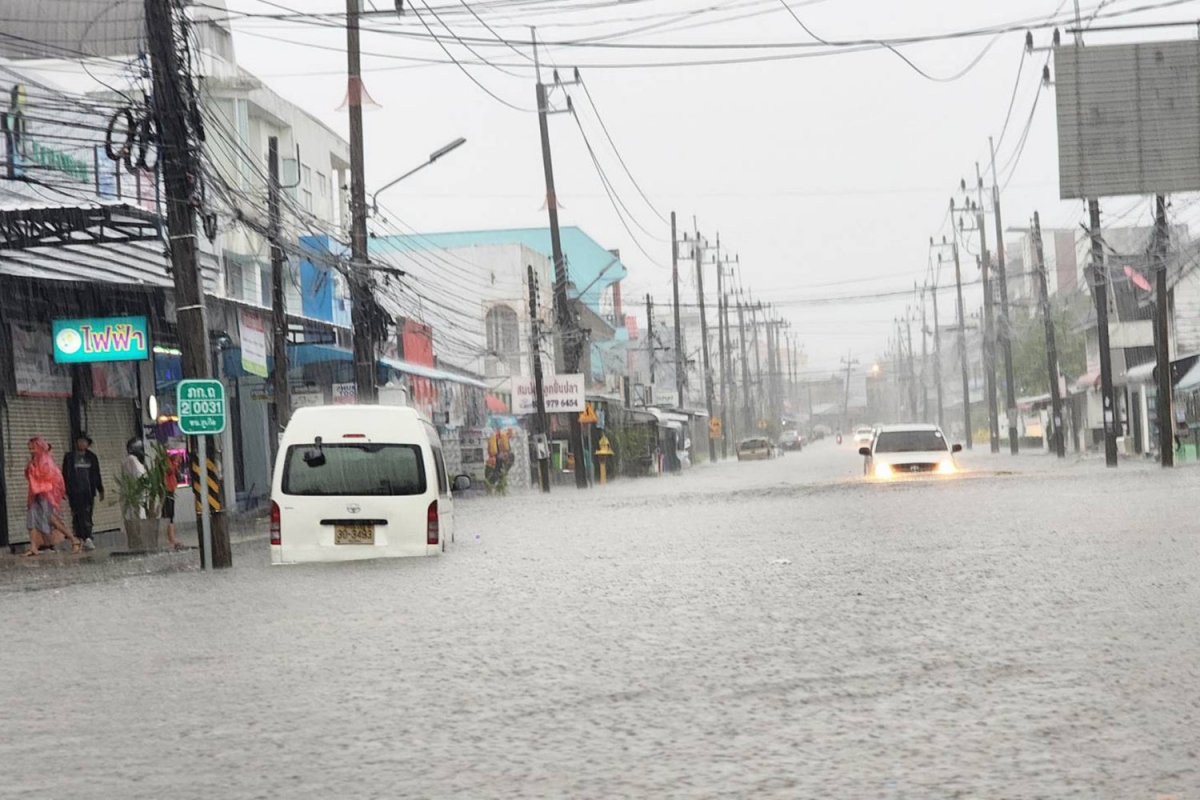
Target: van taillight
pixel 275 523
pixel 431 525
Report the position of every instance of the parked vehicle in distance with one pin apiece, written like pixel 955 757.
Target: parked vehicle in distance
pixel 863 435
pixel 908 450
pixel 756 449
pixel 791 440
pixel 355 482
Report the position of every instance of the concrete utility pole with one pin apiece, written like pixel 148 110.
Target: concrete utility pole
pixel 1010 389
pixel 937 354
pixel 541 428
pixel 989 327
pixel 279 327
pixel 1098 274
pixel 962 344
pixel 650 338
pixel 362 303
pixel 747 412
pixel 849 361
pixel 912 370
pixel 680 356
pixel 723 354
pixel 1056 415
pixel 569 352
pixel 179 170
pixel 708 383
pixel 1162 311
pixel 730 380
pixel 924 360
pixel 758 377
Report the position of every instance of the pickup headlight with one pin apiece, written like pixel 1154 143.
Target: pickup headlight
pixel 947 468
pixel 883 471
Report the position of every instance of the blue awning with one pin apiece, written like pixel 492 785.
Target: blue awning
pixel 302 355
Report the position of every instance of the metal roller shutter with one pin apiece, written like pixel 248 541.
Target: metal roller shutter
pixel 110 423
pixel 24 418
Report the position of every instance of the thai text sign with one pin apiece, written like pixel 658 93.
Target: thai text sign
pixel 564 393
pixel 85 341
pixel 200 404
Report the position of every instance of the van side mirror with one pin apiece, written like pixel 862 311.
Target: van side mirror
pixel 315 456
pixel 462 483
pixel 864 451
pixel 956 448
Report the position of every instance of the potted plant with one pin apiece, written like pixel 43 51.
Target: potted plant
pixel 141 498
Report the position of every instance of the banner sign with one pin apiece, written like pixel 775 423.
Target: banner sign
pixel 86 341
pixel 564 393
pixel 254 343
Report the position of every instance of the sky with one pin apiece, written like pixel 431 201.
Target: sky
pixel 825 175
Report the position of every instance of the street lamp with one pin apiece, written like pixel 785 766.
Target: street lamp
pixel 434 156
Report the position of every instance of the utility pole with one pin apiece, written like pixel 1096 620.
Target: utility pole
pixel 1056 414
pixel 758 378
pixel 1162 310
pixel 680 356
pixel 540 428
pixel 650 338
pixel 723 354
pixel 912 372
pixel 937 354
pixel 172 107
pixel 962 345
pixel 279 376
pixel 924 360
pixel 1010 389
pixel 730 380
pixel 989 328
pixel 747 413
pixel 708 385
pixel 1099 281
pixel 362 303
pixel 567 357
pixel 849 361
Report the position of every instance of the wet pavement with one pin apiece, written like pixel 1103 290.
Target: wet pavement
pixel 771 629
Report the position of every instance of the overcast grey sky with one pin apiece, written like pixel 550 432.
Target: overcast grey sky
pixel 826 175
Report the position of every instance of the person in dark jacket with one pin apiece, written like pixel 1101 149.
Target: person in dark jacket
pixel 81 473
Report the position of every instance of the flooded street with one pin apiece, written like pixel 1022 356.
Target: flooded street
pixel 774 629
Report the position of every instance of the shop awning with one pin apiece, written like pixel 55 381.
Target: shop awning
pixel 422 371
pixel 1142 373
pixel 1086 382
pixel 1190 381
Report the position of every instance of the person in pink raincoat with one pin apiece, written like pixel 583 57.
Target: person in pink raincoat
pixel 46 493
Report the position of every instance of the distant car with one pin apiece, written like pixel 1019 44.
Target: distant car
pixel 863 435
pixel 791 440
pixel 909 450
pixel 756 449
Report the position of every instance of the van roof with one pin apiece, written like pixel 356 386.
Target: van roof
pixel 379 423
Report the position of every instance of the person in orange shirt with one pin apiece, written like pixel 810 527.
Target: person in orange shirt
pixel 174 463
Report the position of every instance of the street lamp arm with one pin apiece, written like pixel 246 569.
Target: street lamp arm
pixel 434 156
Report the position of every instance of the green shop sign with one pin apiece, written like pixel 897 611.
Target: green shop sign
pixel 84 341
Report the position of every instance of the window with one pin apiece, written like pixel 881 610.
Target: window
pixel 353 470
pixel 234 286
pixel 322 184
pixel 306 176
pixel 910 442
pixel 306 198
pixel 440 464
pixel 504 334
pixel 264 285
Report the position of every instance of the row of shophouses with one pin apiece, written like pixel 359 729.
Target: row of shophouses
pixel 81 239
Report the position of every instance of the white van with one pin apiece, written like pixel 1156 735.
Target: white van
pixel 354 482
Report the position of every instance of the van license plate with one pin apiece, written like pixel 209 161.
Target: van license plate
pixel 354 534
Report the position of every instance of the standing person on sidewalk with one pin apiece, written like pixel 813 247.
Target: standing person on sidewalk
pixel 168 511
pixel 81 473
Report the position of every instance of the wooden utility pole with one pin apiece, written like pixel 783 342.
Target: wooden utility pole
pixel 173 108
pixel 279 327
pixel 541 429
pixel 1162 312
pixel 570 350
pixel 362 303
pixel 1057 441
pixel 1098 274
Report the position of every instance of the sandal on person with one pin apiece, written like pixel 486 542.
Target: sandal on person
pixel 76 546
pixel 29 554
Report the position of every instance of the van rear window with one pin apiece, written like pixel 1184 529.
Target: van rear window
pixel 355 469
